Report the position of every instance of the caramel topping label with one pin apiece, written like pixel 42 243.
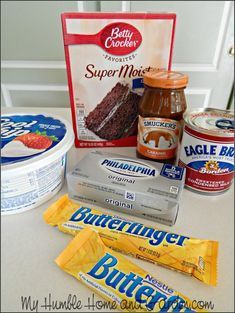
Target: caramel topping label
pixel 158 137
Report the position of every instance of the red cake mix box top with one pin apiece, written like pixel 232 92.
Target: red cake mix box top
pixel 106 56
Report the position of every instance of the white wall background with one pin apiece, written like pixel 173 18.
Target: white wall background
pixel 33 67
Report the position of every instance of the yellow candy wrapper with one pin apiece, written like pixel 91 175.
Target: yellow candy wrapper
pixel 116 279
pixel 195 257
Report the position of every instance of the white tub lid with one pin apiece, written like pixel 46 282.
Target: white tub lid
pixel 29 141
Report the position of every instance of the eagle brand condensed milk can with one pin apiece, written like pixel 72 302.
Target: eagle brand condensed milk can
pixel 207 150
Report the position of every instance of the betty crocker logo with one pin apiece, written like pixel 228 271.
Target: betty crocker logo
pixel 120 38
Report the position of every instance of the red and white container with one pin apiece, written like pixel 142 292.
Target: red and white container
pixel 207 150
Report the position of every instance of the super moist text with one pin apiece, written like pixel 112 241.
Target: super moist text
pixel 127 70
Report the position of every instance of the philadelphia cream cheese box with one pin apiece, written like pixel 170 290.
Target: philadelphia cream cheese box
pixel 137 187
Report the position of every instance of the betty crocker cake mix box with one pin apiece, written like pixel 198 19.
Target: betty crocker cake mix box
pixel 106 55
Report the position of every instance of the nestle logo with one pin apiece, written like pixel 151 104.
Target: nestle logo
pixel 120 38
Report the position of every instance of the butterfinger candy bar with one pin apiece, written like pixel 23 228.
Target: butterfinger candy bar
pixel 192 256
pixel 116 279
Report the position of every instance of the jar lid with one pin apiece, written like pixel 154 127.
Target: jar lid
pixel 165 79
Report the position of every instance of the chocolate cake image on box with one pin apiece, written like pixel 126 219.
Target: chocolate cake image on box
pixel 116 115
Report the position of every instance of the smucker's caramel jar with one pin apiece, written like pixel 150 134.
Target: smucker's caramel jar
pixel 161 111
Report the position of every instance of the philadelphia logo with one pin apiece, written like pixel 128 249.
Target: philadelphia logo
pixel 129 168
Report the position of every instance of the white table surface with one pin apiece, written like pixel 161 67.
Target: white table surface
pixel 29 248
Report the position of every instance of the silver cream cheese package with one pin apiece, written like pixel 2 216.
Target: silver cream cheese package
pixel 137 187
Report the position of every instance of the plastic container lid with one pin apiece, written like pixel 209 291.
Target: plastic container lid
pixel 30 141
pixel 165 79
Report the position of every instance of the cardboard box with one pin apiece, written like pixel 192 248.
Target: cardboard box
pixel 137 187
pixel 106 55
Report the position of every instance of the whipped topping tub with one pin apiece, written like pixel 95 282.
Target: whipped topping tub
pixel 33 159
